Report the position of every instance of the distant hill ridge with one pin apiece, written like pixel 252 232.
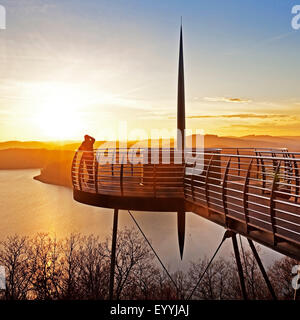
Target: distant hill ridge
pixel 290 142
pixel 54 159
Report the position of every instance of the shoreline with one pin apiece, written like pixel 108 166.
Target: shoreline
pixel 43 179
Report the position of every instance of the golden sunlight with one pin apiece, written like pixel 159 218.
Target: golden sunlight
pixel 59 115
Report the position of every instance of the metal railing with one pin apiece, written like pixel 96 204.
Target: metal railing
pixel 258 187
pixel 260 191
pixel 138 172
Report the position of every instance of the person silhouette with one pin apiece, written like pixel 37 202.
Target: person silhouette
pixel 87 146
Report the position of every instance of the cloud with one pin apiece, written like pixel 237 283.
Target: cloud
pixel 224 99
pixel 291 127
pixel 241 115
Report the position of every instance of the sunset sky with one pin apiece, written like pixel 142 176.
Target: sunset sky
pixel 72 67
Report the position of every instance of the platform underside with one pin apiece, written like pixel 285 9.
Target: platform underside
pixel 137 203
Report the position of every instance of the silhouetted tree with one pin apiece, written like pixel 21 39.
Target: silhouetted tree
pixel 216 284
pixel 255 285
pixel 78 267
pixel 133 255
pixel 70 283
pixel 93 273
pixel 280 274
pixel 14 257
pixel 45 267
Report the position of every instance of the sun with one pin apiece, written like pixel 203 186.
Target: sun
pixel 58 119
pixel 59 116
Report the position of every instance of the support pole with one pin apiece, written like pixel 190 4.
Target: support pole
pixel 239 266
pixel 262 269
pixel 113 255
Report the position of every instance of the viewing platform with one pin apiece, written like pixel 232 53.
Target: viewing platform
pixel 254 192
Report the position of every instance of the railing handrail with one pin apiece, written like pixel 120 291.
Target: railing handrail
pixel 235 155
pixel 192 148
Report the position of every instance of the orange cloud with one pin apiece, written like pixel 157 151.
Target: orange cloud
pixel 241 115
pixel 224 99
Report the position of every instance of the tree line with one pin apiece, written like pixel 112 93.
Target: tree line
pixel 78 267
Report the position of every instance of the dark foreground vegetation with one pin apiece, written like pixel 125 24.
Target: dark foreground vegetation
pixel 77 267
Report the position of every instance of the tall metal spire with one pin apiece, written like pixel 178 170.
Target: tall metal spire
pixel 180 97
pixel 181 136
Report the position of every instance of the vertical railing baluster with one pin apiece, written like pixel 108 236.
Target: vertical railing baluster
pixel 273 155
pixel 239 163
pixel 192 182
pixel 257 164
pixel 131 164
pixel 121 174
pixel 224 185
pixel 288 170
pixel 206 181
pixel 184 176
pixel 297 177
pixel 112 163
pixel 245 196
pixel 272 203
pixel 154 181
pixel 96 172
pixel 263 172
pixel 73 168
pixel 80 171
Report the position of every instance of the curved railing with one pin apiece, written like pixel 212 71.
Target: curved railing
pixel 260 191
pixel 128 172
pixel 259 188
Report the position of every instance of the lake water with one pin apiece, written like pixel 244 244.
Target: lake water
pixel 28 206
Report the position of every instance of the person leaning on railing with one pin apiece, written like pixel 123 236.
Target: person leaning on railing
pixel 88 155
